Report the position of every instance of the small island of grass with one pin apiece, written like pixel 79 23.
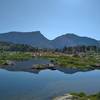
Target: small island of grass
pixel 7 58
pixel 86 61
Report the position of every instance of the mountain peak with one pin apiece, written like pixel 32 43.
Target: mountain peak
pixel 71 35
pixel 36 32
pixel 17 32
pixel 36 39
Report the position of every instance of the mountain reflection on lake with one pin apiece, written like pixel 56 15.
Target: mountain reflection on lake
pixel 19 82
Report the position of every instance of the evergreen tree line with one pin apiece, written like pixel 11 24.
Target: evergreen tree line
pixel 80 49
pixel 6 46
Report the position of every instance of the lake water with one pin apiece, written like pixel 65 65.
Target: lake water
pixel 45 84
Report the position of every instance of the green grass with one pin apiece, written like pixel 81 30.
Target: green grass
pixel 5 56
pixel 83 63
pixel 83 96
pixel 68 61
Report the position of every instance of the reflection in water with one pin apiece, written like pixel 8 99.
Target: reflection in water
pixel 44 84
pixel 27 66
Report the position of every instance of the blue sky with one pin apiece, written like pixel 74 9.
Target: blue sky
pixel 51 17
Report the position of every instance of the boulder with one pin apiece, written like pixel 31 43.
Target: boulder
pixel 64 97
pixel 43 66
pixel 9 62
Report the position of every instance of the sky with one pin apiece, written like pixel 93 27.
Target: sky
pixel 52 17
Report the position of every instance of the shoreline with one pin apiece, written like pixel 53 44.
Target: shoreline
pixel 78 96
pixel 83 63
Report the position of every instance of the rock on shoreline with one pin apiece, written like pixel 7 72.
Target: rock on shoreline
pixel 65 97
pixel 43 66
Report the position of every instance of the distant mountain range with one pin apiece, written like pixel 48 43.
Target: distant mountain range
pixel 36 39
